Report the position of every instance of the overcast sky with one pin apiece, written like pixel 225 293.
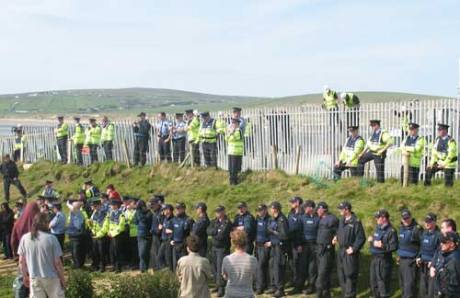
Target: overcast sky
pixel 244 47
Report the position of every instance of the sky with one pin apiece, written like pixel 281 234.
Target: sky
pixel 233 47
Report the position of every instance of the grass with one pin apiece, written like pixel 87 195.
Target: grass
pixel 211 186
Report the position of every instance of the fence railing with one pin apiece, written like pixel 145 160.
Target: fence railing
pixel 297 139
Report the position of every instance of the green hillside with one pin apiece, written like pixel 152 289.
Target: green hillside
pixel 132 100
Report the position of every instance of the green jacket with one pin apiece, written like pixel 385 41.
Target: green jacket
pixel 99 230
pixel 108 132
pixel 93 135
pixel 79 135
pixel 415 148
pixel 193 130
pixel 377 142
pixel 116 228
pixel 62 130
pixel 19 142
pixel 351 150
pixel 130 214
pixel 444 152
pixel 235 142
pixel 351 100
pixel 330 100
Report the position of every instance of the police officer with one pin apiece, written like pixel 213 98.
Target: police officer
pixel 383 243
pixel 376 150
pixel 157 220
pixel 200 226
pixel 208 139
pixel 245 221
pixel 329 99
pixel 193 130
pixel 327 229
pixel 310 223
pixel 130 215
pixel 443 156
pixel 141 130
pixel 262 252
pixel 163 137
pixel 429 242
pixel 76 231
pixel 117 226
pixel 10 173
pixel 143 222
pixel 179 136
pixel 49 192
pixel 78 139
pixel 107 136
pixel 182 225
pixel 413 146
pixel 235 149
pixel 219 229
pixel 19 143
pixel 409 244
pixel 296 242
pixel 350 238
pixel 447 272
pixel 278 236
pixel 165 255
pixel 351 104
pixel 62 134
pixel 349 156
pixel 57 224
pixel 98 223
pixel 93 139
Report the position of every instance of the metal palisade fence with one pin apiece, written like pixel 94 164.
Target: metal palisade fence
pixel 302 139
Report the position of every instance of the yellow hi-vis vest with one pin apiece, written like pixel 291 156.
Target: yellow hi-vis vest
pixel 235 142
pixel 330 100
pixel 415 147
pixel 93 135
pixel 79 135
pixel 62 130
pixel 108 132
pixel 352 148
pixel 444 152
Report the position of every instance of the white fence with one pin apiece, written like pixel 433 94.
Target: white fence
pixel 296 139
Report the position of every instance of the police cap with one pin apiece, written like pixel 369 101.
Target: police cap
pixel 309 203
pixel 296 199
pixel 449 237
pixel 405 214
pixel 202 206
pixel 115 202
pixel 353 127
pixel 179 114
pixel 49 181
pixel 413 125
pixel 204 114
pixel 92 120
pixel 374 122
pixel 88 181
pixel 442 126
pixel 160 198
pixel 141 114
pixel 76 118
pixel 276 205
pixel 431 217
pixel 261 207
pixel 382 213
pixel 242 205
pixel 237 109
pixel 323 205
pixel 180 205
pixel 219 208
pixel 60 117
pixel 167 206
pixel 189 111
pixel 344 205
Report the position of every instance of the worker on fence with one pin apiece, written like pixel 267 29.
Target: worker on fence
pixel 208 138
pixel 235 149
pixel 62 134
pixel 349 156
pixel 351 105
pixel 164 137
pixel 193 131
pixel 413 147
pixel 141 131
pixel 49 192
pixel 19 142
pixel 443 156
pixel 10 173
pixel 179 137
pixel 107 137
pixel 98 224
pixel 93 139
pixel 376 150
pixel 78 139
pixel 331 105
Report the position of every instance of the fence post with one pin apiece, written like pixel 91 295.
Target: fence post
pixel 69 151
pixel 192 156
pixel 125 151
pixel 405 156
pixel 275 156
pixel 297 160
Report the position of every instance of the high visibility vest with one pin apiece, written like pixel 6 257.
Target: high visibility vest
pixel 330 100
pixel 415 147
pixel 99 224
pixel 208 131
pixel 235 142
pixel 79 135
pixel 379 140
pixel 62 130
pixel 19 142
pixel 352 148
pixel 193 130
pixel 117 223
pixel 351 100
pixel 93 135
pixel 445 152
pixel 130 214
pixel 108 132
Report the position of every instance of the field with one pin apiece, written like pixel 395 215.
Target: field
pixel 211 186
pixel 130 101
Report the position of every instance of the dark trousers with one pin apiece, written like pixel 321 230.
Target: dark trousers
pixel 408 277
pixel 16 182
pixel 379 162
pixel 203 251
pixel 133 252
pixel 108 150
pixel 195 150
pixel 116 249
pixel 78 250
pixel 347 272
pixel 154 253
pixel 297 265
pixel 340 168
pixel 178 252
pixel 210 154
pixel 79 154
pixel 448 175
pixel 165 256
pixel 143 245
pixel 263 258
pixel 62 148
pixel 218 255
pixel 310 266
pixel 234 168
pixel 141 146
pixel 164 149
pixel 6 240
pixel 93 153
pixel 277 264
pixel 250 247
pixel 179 149
pixel 413 175
pixel 17 155
pixel 99 252
pixel 326 256
pixel 426 283
pixel 380 276
pixel 60 238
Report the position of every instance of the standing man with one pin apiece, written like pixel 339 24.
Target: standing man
pixel 376 150
pixel 351 104
pixel 141 130
pixel 76 231
pixel 245 221
pixel 448 270
pixel 179 135
pixel 262 251
pixel 219 229
pixel 383 243
pixel 10 173
pixel 19 143
pixel 349 156
pixel 235 141
pixel 409 244
pixel 143 221
pixel 57 224
pixel 327 229
pixel 164 137
pixel 296 242
pixel 182 226
pixel 78 139
pixel 107 136
pixel 99 225
pixel 165 255
pixel 443 156
pixel 193 130
pixel 208 138
pixel 310 223
pixel 350 238
pixel 157 220
pixel 62 134
pixel 413 147
pixel 200 226
pixel 117 226
pixel 236 114
pixel 93 139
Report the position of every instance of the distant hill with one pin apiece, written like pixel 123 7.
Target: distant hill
pixel 132 100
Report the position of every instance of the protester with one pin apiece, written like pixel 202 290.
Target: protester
pixel 6 227
pixel 143 221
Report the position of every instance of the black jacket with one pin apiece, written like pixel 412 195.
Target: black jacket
pixel 220 232
pixel 9 169
pixel 351 233
pixel 6 221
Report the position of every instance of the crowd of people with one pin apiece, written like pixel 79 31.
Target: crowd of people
pixel 309 244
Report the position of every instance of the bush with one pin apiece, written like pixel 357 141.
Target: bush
pixel 79 285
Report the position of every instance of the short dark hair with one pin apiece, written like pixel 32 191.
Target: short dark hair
pixel 451 223
pixel 193 243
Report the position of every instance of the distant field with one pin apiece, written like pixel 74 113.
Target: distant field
pixel 132 100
